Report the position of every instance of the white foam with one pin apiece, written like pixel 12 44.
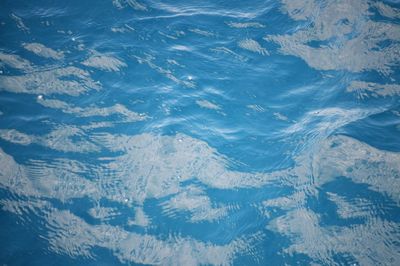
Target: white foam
pixel 370 89
pixel 280 116
pixel 202 32
pixel 256 107
pixel 319 241
pixel 118 109
pixel 347 34
pixel 20 23
pixel 193 200
pixel 226 50
pixel 15 61
pixel 48 82
pixel 181 48
pixel 208 105
pixel 132 3
pixel 62 138
pixel 43 51
pixel 241 25
pixel 252 45
pixel 104 62
pixel 141 219
pixel 166 72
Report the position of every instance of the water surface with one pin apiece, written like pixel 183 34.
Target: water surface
pixel 200 132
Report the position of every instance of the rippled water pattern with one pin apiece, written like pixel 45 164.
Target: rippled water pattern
pixel 200 132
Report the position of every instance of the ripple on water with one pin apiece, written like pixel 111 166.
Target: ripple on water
pixel 191 133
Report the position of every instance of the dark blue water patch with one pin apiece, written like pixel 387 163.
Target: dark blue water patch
pixel 14 108
pixel 23 237
pixel 320 43
pixel 104 257
pixel 251 196
pixel 385 44
pixel 375 203
pixel 380 131
pixel 19 236
pixel 293 259
pixel 20 245
pixel 219 231
pixel 378 16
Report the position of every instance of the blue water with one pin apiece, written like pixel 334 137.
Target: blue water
pixel 200 132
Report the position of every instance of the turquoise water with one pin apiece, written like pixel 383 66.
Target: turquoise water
pixel 200 132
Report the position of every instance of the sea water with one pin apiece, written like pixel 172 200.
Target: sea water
pixel 200 132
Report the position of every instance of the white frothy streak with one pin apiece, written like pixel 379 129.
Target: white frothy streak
pixel 368 89
pixel 346 36
pixel 208 105
pixel 51 81
pixel 15 61
pixel 43 51
pixel 118 109
pixel 104 62
pixel 242 25
pixel 252 45
pixel 20 23
pixel 132 3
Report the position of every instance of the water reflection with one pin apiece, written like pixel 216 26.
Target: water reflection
pixel 144 147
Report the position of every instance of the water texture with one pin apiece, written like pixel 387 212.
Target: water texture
pixel 200 132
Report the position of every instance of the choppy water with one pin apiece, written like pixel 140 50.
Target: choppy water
pixel 200 132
